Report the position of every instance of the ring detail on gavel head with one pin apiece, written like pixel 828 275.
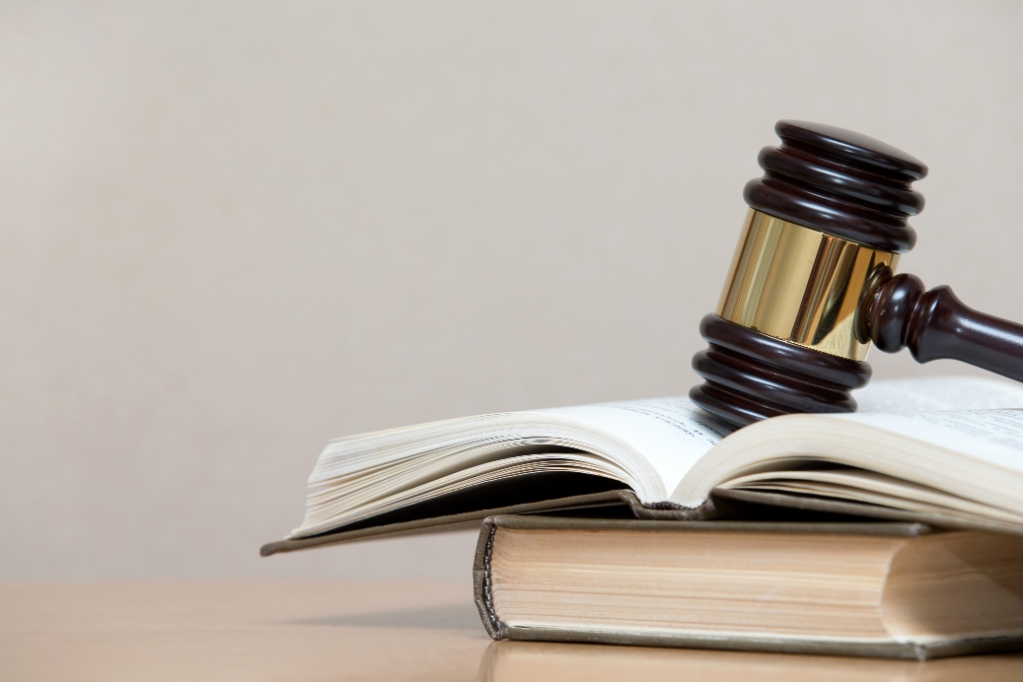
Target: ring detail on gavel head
pixel 827 222
pixel 800 285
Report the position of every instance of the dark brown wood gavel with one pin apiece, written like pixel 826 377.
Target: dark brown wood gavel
pixel 812 284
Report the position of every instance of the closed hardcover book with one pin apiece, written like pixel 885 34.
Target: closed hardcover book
pixel 899 590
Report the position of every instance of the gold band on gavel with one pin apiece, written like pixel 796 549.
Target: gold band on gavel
pixel 800 285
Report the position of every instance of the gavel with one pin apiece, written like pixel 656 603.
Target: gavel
pixel 812 284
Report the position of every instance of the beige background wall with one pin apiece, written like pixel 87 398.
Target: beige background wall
pixel 231 231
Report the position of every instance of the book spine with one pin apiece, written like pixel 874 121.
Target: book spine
pixel 669 511
pixel 481 578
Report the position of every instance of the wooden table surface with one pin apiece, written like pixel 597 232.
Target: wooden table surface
pixel 359 631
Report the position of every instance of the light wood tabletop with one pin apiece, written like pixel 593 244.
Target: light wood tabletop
pixel 360 631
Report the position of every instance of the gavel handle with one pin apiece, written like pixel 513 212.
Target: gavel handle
pixel 935 324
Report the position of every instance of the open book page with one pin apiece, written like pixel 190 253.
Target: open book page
pixel 858 485
pixel 671 434
pixel 959 464
pixel 976 455
pixel 648 445
pixel 970 454
pixel 992 436
pixel 932 394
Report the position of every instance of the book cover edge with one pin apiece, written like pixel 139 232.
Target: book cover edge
pixel 892 649
pixel 465 520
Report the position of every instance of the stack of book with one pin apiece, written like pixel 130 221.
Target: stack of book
pixel 895 531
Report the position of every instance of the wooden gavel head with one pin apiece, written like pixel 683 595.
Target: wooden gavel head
pixel 812 284
pixel 826 226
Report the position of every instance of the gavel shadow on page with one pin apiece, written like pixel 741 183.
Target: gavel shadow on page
pixel 812 284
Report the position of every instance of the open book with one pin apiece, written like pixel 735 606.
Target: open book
pixel 945 451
